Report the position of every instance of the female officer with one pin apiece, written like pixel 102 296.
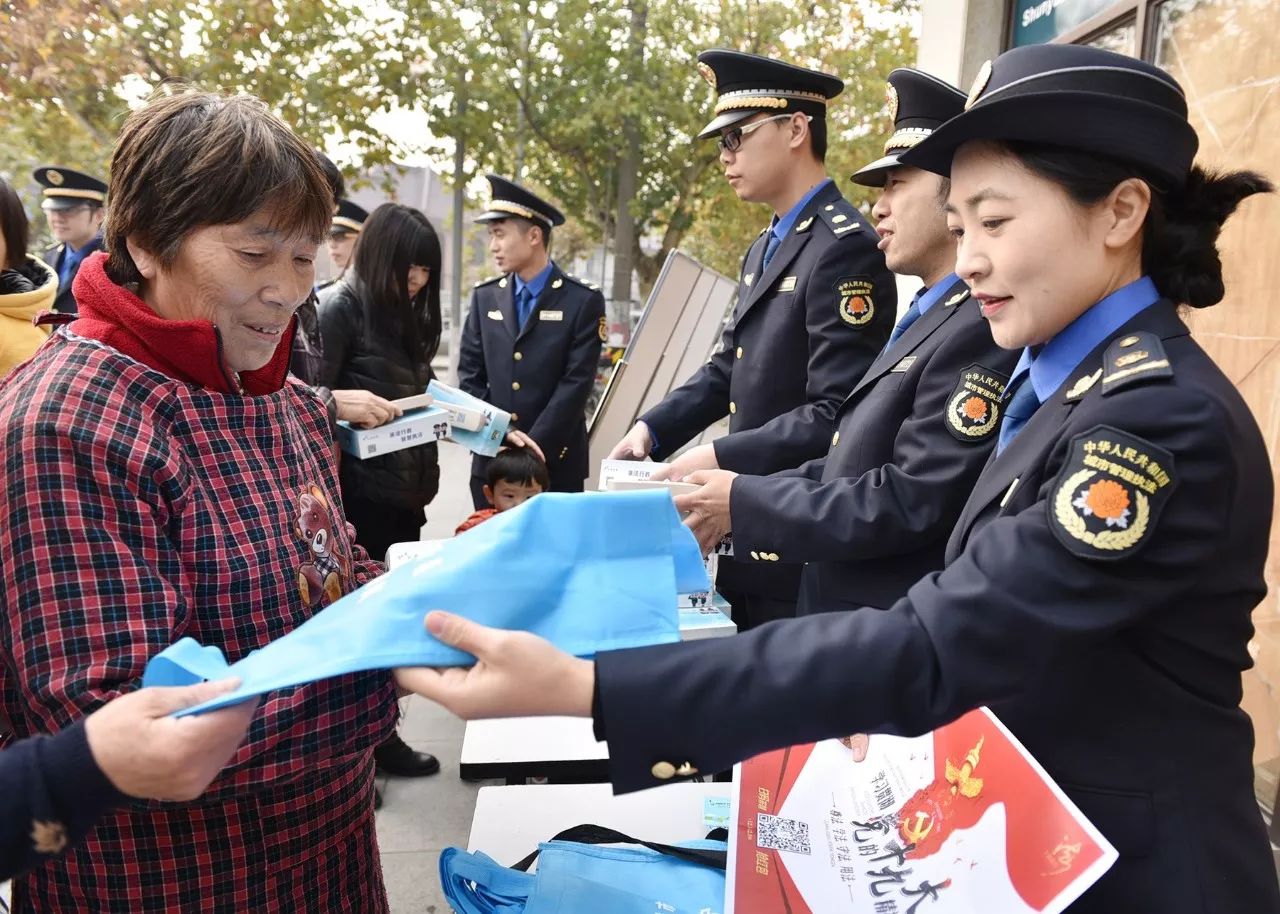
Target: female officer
pixel 1099 584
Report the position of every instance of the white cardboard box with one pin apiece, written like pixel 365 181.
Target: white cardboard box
pixel 413 429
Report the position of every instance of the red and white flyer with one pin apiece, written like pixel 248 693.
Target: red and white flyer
pixel 959 820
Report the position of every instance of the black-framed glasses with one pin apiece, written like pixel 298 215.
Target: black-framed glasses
pixel 731 141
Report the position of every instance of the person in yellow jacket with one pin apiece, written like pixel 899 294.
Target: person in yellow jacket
pixel 28 285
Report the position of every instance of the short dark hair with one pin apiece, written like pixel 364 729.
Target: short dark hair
pixel 518 466
pixel 393 239
pixel 190 159
pixel 334 175
pixel 526 224
pixel 818 138
pixel 1180 235
pixel 14 226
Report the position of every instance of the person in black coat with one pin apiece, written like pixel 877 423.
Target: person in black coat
pixel 815 306
pixel 380 328
pixel 54 788
pixel 73 203
pixel 872 517
pixel 1100 582
pixel 532 339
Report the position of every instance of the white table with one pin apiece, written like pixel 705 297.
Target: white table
pixel 509 822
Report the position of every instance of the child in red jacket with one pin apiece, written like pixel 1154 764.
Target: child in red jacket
pixel 514 476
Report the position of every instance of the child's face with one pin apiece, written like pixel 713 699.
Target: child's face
pixel 506 495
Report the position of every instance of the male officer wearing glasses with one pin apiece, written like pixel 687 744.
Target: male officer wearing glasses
pixel 815 305
pixel 73 203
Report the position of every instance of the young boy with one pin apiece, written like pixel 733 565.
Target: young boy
pixel 513 477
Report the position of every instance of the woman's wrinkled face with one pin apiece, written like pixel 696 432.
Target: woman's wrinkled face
pixel 1034 258
pixel 246 278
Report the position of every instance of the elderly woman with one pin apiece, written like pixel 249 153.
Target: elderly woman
pixel 164 477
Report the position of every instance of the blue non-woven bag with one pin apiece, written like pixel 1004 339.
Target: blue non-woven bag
pixel 588 572
pixel 578 873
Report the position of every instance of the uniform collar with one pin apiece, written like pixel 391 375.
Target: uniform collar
pixel 780 227
pixel 928 297
pixel 1055 361
pixel 538 283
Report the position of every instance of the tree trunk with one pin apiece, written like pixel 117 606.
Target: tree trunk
pixel 625 243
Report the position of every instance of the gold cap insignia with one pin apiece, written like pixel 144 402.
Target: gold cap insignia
pixel 708 74
pixel 54 177
pixel 891 99
pixel 979 83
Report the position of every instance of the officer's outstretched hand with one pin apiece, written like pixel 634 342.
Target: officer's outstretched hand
pixel 706 509
pixel 147 753
pixel 635 446
pixel 516 674
pixel 520 439
pixel 702 457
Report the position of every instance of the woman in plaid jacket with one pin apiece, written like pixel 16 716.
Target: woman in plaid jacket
pixel 164 478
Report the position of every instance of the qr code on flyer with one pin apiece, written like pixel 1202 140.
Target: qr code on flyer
pixel 777 833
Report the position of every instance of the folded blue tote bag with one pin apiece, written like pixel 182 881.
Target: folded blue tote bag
pixel 582 870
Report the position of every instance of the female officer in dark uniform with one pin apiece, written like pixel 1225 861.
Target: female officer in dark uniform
pixel 1099 585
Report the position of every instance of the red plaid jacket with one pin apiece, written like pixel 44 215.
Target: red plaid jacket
pixel 145 500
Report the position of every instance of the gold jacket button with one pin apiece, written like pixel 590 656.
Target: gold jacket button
pixel 663 771
pixel 518 356
pixel 739 352
pixel 733 407
pixel 686 770
pixel 515 417
pixel 515 385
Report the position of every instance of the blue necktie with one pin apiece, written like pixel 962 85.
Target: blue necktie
pixel 67 269
pixel 1017 410
pixel 524 306
pixel 769 247
pixel 910 317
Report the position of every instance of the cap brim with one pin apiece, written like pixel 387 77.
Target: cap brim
pixel 727 119
pixel 1120 128
pixel 60 203
pixel 875 174
pixel 497 215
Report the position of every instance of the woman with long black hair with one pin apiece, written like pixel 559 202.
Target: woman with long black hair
pixel 381 328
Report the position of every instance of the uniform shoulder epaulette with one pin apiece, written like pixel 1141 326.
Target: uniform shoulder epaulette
pixel 490 280
pixel 1135 358
pixel 582 282
pixel 841 217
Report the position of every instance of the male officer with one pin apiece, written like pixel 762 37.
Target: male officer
pixel 347 223
pixel 532 339
pixel 815 306
pixel 73 203
pixel 872 517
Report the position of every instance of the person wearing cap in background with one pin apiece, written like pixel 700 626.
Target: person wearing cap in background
pixel 73 203
pixel 532 339
pixel 815 306
pixel 347 222
pixel 1100 581
pixel 872 517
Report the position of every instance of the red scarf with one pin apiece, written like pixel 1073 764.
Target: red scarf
pixel 189 351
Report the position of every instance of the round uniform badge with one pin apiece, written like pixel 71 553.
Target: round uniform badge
pixel 975 406
pixel 54 177
pixel 854 303
pixel 1109 493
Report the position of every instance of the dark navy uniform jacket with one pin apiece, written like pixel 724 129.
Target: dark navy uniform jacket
pixel 1097 597
pixel 542 374
pixel 801 335
pixel 873 516
pixel 65 302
